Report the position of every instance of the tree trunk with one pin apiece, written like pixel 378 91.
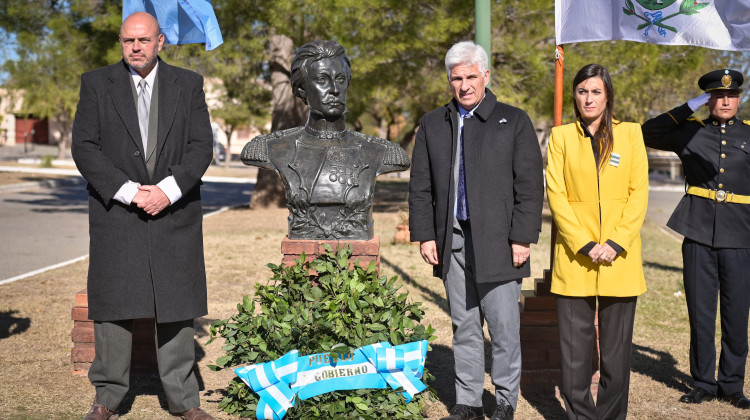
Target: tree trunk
pixel 227 152
pixel 63 145
pixel 288 111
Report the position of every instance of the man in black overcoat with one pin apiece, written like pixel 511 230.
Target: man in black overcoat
pixel 475 204
pixel 714 218
pixel 142 140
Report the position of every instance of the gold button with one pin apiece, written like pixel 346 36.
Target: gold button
pixel 721 170
pixel 721 185
pixel 715 123
pixel 723 155
pixel 731 122
pixel 724 142
pixel 723 130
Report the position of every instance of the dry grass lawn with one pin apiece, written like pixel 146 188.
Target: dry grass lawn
pixel 35 328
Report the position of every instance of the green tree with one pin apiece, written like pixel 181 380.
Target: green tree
pixel 56 42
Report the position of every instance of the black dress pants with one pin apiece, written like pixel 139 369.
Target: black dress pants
pixel 712 274
pixel 575 317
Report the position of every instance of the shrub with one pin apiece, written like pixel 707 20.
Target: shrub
pixel 337 310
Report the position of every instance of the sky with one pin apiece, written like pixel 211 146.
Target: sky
pixel 7 52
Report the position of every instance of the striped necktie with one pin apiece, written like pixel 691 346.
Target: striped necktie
pixel 462 206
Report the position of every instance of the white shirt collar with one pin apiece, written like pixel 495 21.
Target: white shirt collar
pixel 150 78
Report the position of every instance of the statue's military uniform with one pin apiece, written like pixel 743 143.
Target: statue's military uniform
pixel 329 178
pixel 714 218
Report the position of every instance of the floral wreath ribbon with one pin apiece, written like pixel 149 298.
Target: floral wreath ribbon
pixel 374 366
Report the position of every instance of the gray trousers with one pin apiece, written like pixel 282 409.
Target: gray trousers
pixel 575 316
pixel 175 355
pixel 471 303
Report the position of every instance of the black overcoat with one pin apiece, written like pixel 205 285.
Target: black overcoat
pixel 142 266
pixel 505 189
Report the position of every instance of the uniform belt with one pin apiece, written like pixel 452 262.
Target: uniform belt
pixel 719 196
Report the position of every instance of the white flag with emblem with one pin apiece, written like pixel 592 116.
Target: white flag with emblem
pixel 717 24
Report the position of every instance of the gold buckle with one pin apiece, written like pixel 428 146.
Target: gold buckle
pixel 721 196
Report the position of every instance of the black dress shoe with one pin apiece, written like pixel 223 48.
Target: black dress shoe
pixel 737 399
pixel 697 396
pixel 465 412
pixel 503 412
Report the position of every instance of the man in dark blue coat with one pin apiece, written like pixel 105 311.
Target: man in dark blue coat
pixel 475 203
pixel 142 140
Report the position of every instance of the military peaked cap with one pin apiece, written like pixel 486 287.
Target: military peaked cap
pixel 721 80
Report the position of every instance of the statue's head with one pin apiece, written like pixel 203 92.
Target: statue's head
pixel 320 76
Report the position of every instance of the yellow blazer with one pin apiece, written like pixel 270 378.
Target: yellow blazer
pixel 587 207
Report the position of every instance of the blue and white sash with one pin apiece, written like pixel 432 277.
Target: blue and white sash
pixel 375 366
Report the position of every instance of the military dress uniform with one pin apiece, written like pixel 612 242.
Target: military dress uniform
pixel 714 218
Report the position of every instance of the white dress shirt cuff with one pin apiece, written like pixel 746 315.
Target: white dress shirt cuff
pixel 126 193
pixel 169 187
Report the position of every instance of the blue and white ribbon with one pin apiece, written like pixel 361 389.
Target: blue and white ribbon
pixel 614 159
pixel 375 366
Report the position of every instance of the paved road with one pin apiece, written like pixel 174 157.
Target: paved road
pixel 45 226
pixel 661 202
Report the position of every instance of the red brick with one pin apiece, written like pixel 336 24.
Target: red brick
pixel 533 318
pixel 553 355
pixel 547 276
pixel 532 302
pixel 539 358
pixel 80 313
pixel 83 324
pixel 82 298
pixel 81 368
pixel 371 247
pixel 541 334
pixel 83 353
pixel 540 377
pixel 82 334
pixel 542 287
pixel 314 246
pixel 298 246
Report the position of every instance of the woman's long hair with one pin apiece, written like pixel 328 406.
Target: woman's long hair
pixel 603 136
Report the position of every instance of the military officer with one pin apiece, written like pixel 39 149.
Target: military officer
pixel 714 218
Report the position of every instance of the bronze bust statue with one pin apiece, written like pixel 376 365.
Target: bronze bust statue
pixel 328 171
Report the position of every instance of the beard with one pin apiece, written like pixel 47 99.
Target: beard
pixel 142 65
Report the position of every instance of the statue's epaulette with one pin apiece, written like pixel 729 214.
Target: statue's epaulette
pixel 746 122
pixel 394 154
pixel 696 120
pixel 256 150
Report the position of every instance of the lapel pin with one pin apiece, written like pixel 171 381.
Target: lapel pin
pixel 503 121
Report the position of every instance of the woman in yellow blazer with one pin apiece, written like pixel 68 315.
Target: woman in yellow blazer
pixel 597 186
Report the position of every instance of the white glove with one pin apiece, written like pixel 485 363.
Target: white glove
pixel 699 101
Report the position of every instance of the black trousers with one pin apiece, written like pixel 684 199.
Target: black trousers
pixel 575 317
pixel 710 273
pixel 175 355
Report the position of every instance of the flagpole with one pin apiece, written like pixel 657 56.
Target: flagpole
pixel 559 64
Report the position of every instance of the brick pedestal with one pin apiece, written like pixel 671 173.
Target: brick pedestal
pixel 540 345
pixel 364 251
pixel 143 358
